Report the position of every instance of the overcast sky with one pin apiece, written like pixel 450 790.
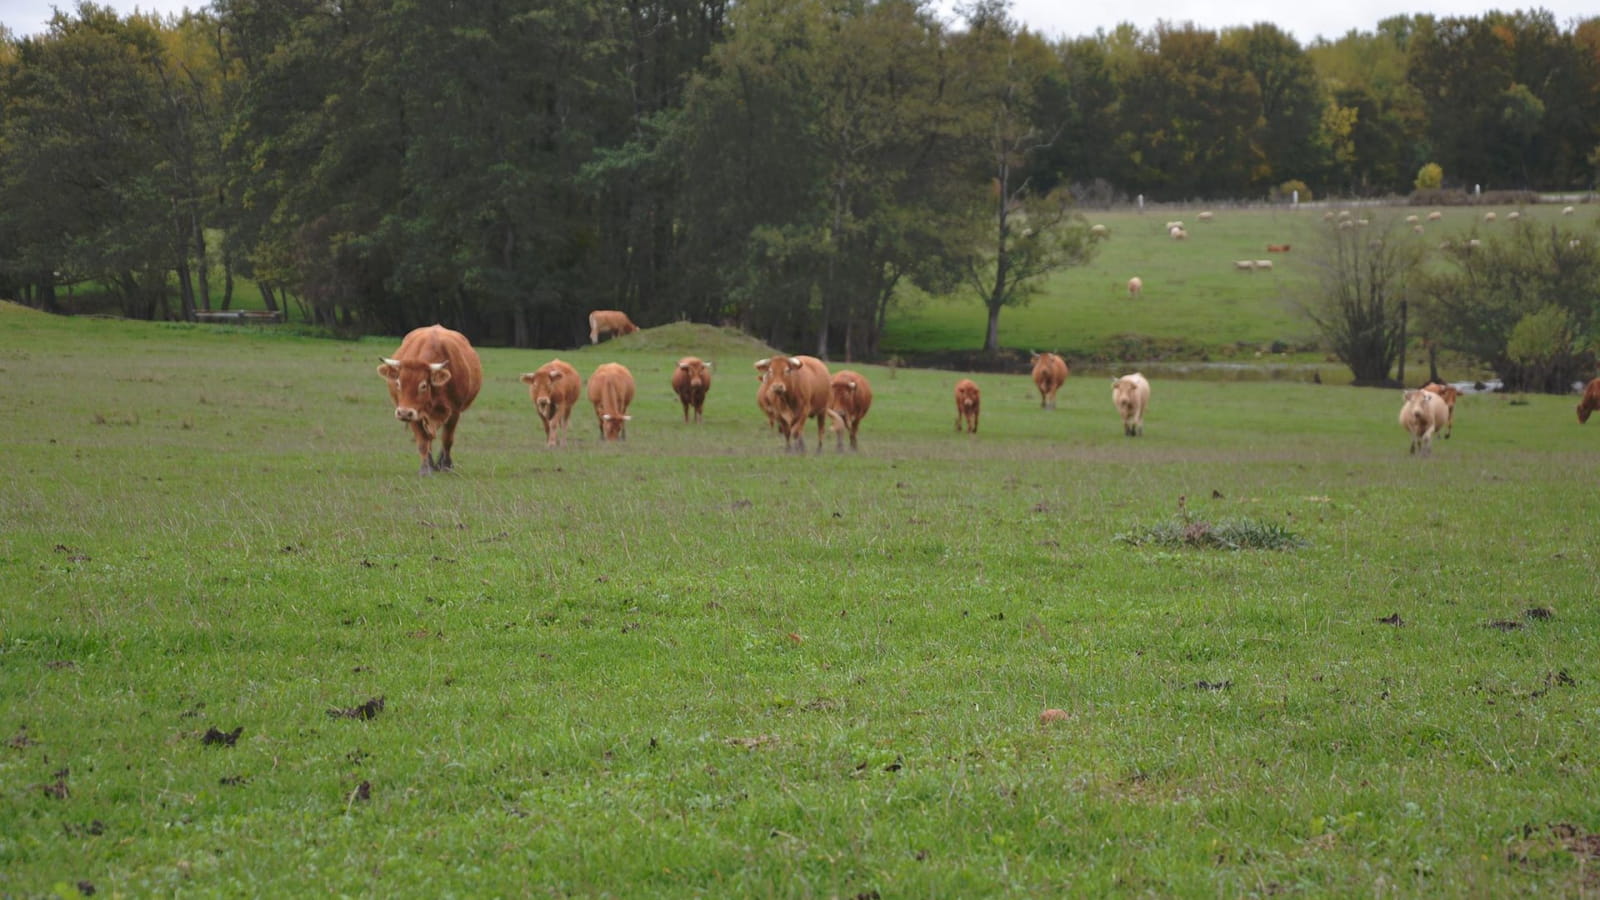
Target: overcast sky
pixel 1061 18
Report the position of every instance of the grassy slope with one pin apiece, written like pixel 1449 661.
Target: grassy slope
pixel 691 665
pixel 1192 293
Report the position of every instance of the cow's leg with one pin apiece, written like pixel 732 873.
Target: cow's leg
pixel 424 448
pixel 448 440
pixel 854 427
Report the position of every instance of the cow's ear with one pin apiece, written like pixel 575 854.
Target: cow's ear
pixel 438 377
pixel 390 368
pixel 528 377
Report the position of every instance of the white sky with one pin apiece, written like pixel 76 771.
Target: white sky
pixel 1304 19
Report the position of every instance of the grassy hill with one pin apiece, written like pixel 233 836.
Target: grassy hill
pixel 1195 303
pixel 689 665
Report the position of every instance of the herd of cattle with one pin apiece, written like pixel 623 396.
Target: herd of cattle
pixel 435 375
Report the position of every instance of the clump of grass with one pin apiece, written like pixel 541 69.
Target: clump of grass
pixel 1188 530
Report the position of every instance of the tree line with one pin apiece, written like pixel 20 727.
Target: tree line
pixel 786 165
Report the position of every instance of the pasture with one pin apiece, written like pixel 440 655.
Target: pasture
pixel 1194 303
pixel 245 650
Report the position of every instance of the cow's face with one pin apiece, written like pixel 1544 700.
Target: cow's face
pixel 695 370
pixel 612 425
pixel 779 368
pixel 541 386
pixel 1584 409
pixel 413 386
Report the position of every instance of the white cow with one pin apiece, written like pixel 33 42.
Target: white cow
pixel 1131 394
pixel 1422 415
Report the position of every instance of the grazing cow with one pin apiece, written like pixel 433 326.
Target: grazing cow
pixel 609 321
pixel 691 379
pixel 1135 286
pixel 1422 415
pixel 611 390
pixel 849 399
pixel 1049 374
pixel 553 388
pixel 967 405
pixel 1448 394
pixel 1131 394
pixel 797 389
pixel 433 378
pixel 1590 401
pixel 1277 248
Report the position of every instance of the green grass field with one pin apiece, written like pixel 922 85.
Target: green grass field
pixel 690 665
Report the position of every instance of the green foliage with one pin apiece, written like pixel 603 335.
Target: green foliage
pixel 1429 178
pixel 1533 282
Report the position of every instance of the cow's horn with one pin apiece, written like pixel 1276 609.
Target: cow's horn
pixel 763 363
pixel 390 362
pixel 438 365
pixel 794 362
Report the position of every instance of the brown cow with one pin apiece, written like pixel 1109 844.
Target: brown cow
pixel 1277 248
pixel 691 379
pixel 611 390
pixel 764 395
pixel 797 389
pixel 850 398
pixel 554 392
pixel 1049 374
pixel 967 405
pixel 609 321
pixel 1590 401
pixel 433 378
pixel 1448 394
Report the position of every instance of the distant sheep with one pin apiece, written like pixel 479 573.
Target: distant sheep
pixel 1100 231
pixel 1567 210
pixel 1245 265
pixel 1135 286
pixel 1435 216
pixel 1264 264
pixel 1206 216
pixel 1174 224
pixel 1416 229
pixel 1412 220
pixel 1177 233
pixel 1488 217
pixel 1513 216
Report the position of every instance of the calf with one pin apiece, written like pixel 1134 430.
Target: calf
pixel 1422 415
pixel 611 390
pixel 609 321
pixel 1448 394
pixel 1131 394
pixel 850 396
pixel 967 401
pixel 1049 374
pixel 1590 401
pixel 797 389
pixel 433 378
pixel 554 392
pixel 690 380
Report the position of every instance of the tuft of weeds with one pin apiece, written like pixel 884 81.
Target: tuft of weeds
pixel 1185 529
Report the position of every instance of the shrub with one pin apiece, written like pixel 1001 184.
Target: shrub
pixel 1429 178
